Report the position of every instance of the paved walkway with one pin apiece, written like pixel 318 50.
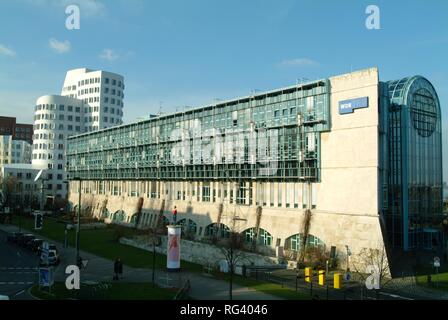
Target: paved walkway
pixel 98 269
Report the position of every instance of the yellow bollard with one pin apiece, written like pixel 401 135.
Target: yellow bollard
pixel 337 281
pixel 308 274
pixel 321 277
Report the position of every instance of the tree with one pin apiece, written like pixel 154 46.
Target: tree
pixel 10 185
pixel 231 250
pixel 372 266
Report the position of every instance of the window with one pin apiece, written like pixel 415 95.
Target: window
pixel 276 113
pixel 206 192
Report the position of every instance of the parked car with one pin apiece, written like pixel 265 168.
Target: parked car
pixel 34 244
pixel 14 237
pixel 51 259
pixel 23 240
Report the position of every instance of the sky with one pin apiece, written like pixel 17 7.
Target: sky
pixel 175 54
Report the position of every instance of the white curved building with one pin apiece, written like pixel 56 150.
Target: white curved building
pixel 90 100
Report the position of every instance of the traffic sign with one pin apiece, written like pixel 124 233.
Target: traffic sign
pixel 46 277
pixel 347 276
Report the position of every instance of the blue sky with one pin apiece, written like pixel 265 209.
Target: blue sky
pixel 188 53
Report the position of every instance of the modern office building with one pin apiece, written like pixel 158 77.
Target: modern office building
pixel 14 151
pixel 90 100
pixel 18 131
pixel 354 160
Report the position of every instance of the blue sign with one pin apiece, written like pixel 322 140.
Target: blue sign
pixel 46 278
pixel 348 106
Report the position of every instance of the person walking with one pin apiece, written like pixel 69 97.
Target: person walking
pixel 116 268
pixel 120 269
pixel 174 215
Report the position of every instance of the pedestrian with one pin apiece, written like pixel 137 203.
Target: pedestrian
pixel 120 269
pixel 79 262
pixel 174 215
pixel 116 268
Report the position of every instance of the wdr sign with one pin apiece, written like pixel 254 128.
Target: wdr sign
pixel 348 106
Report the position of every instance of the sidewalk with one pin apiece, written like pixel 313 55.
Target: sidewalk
pixel 98 269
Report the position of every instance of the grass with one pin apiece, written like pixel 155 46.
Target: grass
pixel 104 243
pixel 265 287
pixel 116 291
pixel 438 281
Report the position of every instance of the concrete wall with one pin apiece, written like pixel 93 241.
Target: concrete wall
pixel 200 253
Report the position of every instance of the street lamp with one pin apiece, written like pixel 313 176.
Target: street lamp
pixel 349 253
pixel 78 229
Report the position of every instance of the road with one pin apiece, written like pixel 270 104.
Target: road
pixel 18 270
pixel 100 269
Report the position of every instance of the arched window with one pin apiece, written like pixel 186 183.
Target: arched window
pixel 188 226
pixel 213 230
pixel 119 216
pixel 294 242
pixel 264 237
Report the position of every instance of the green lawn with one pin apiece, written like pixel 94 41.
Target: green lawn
pixel 115 291
pixel 104 243
pixel 438 281
pixel 265 287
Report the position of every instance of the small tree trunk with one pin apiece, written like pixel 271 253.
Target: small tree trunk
pixel 231 274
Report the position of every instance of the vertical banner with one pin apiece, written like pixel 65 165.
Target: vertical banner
pixel 173 253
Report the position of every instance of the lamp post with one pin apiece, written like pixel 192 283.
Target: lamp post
pixel 42 206
pixel 78 228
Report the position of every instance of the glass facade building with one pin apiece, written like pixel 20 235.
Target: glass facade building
pixel 272 141
pixel 414 215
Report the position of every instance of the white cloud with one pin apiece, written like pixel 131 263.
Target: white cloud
pixel 298 62
pixel 109 55
pixel 7 51
pixel 60 46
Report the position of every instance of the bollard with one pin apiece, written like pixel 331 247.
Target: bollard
pixel 308 274
pixel 321 277
pixel 337 283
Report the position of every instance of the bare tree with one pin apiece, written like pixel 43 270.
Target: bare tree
pixel 231 250
pixel 10 185
pixel 306 224
pixel 372 261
